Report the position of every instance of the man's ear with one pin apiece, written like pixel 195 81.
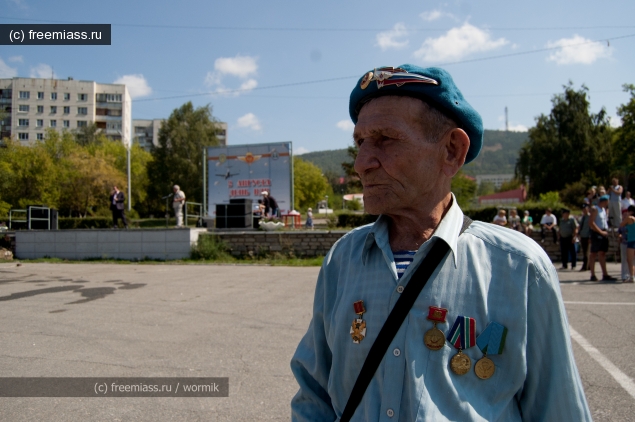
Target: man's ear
pixel 456 144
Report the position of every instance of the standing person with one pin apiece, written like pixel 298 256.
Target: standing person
pixel 627 201
pixel 500 219
pixel 615 205
pixel 629 224
pixel 567 233
pixel 414 131
pixel 528 223
pixel 117 200
pixel 598 222
pixel 585 232
pixel 514 220
pixel 309 219
pixel 548 223
pixel 271 206
pixel 623 238
pixel 178 202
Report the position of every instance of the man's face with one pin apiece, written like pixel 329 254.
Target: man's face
pixel 565 215
pixel 548 212
pixel 615 182
pixel 396 163
pixel 604 203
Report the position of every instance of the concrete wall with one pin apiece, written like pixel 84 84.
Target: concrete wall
pixel 118 244
pixel 300 242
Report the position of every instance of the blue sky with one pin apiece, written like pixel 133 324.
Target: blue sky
pixel 164 49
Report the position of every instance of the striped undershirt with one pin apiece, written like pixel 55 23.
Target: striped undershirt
pixel 402 260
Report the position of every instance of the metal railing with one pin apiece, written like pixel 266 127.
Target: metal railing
pixel 13 220
pixel 187 215
pixel 29 218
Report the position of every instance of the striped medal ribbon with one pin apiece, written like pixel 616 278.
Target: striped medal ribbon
pixel 462 336
pixel 491 341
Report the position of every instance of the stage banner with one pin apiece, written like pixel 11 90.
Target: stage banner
pixel 244 171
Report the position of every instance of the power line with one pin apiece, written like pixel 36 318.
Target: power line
pixel 500 56
pixel 317 29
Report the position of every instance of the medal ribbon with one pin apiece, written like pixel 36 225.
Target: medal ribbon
pixel 492 340
pixel 462 335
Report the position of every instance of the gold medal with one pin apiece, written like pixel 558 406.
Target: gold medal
pixel 484 368
pixel 434 339
pixel 460 363
pixel 358 327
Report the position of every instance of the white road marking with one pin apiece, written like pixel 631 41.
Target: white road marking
pixel 600 303
pixel 622 379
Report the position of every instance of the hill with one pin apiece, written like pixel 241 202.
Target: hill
pixel 498 156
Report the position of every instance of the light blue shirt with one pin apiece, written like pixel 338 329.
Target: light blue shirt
pixel 601 219
pixel 491 274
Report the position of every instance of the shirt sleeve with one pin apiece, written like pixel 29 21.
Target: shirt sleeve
pixel 553 389
pixel 311 365
pixel 543 220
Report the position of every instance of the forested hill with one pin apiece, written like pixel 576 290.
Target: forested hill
pixel 498 156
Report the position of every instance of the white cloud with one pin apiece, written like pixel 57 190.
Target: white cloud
pixel 393 38
pixel 615 121
pixel 458 43
pixel 137 85
pixel 518 128
pixel 346 125
pixel 241 67
pixel 16 59
pixel 250 121
pixel 42 70
pixel 432 15
pixel 300 151
pixel 7 71
pixel 578 49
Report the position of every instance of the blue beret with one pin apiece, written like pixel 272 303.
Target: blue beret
pixel 431 84
pixel 604 198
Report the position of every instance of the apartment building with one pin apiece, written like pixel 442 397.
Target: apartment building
pixel 33 105
pixel 146 132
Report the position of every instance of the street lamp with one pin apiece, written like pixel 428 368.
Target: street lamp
pixel 128 145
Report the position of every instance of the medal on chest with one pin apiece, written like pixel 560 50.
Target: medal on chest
pixel 434 339
pixel 491 341
pixel 358 327
pixel 462 336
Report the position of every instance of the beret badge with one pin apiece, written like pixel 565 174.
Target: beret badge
pixel 397 76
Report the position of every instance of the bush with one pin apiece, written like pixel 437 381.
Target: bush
pixel 355 220
pixel 209 247
pixel 85 223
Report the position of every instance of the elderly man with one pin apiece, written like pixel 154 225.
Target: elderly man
pixel 491 292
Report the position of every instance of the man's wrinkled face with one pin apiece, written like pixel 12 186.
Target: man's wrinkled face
pixel 396 163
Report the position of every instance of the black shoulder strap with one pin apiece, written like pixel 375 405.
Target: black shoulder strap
pixel 394 321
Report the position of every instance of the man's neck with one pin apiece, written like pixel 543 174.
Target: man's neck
pixel 408 231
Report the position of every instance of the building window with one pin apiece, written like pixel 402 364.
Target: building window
pixel 39 123
pixel 23 136
pixel 82 97
pixel 67 96
pixel 23 122
pixel 114 126
pixel 82 110
pixel 23 108
pixel 40 136
pixel 53 123
pixel 53 95
pixel 67 110
pixel 109 98
pixel 40 95
pixel 66 123
pixel 53 109
pixel 40 109
pixel 25 95
pixel 81 123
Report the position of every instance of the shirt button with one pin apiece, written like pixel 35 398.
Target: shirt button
pixel 396 352
pixel 400 289
pixel 390 413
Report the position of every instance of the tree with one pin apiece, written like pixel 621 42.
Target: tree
pixel 309 184
pixel 510 185
pixel 568 145
pixel 178 157
pixel 486 187
pixel 464 189
pixel 354 183
pixel 87 135
pixel 624 140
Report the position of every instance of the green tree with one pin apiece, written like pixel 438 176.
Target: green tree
pixel 353 181
pixel 624 140
pixel 569 144
pixel 486 187
pixel 87 135
pixel 309 184
pixel 178 157
pixel 510 185
pixel 464 189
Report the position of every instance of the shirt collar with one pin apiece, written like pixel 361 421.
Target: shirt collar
pixel 448 230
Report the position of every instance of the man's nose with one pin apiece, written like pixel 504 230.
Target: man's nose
pixel 366 159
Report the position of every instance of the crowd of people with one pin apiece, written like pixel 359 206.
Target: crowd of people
pixel 604 213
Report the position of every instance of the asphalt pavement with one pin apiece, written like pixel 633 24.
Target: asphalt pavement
pixel 236 321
